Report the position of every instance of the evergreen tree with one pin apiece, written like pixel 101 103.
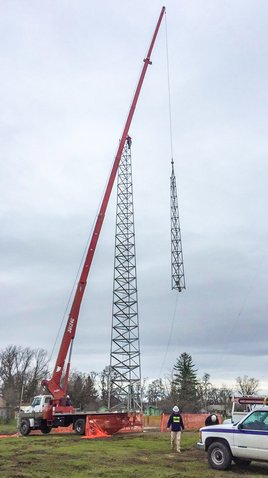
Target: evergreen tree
pixel 82 390
pixel 186 383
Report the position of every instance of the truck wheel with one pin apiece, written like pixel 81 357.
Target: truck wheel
pixel 240 462
pixel 79 426
pixel 25 428
pixel 219 456
pixel 45 429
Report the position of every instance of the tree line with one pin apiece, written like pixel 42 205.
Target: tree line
pixel 22 369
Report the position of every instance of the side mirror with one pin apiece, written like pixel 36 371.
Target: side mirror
pixel 240 426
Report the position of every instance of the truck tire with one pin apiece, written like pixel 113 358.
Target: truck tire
pixel 219 456
pixel 79 426
pixel 45 429
pixel 241 462
pixel 25 428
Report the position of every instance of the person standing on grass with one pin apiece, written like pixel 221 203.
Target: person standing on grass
pixel 175 423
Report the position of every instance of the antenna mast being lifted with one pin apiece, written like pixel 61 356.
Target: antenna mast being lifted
pixel 177 267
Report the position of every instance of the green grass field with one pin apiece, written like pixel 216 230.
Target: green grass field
pixel 145 455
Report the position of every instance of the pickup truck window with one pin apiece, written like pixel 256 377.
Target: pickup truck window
pixel 256 421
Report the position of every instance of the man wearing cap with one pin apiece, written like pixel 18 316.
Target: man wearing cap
pixel 175 422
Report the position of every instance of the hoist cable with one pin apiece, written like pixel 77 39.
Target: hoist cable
pixel 169 92
pixel 171 152
pixel 80 266
pixel 71 293
pixel 170 334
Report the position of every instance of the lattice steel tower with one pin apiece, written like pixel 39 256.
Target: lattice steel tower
pixel 177 267
pixel 124 372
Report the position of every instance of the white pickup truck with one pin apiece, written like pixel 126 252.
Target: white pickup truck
pixel 240 442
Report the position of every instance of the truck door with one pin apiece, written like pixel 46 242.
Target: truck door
pixel 251 436
pixel 36 404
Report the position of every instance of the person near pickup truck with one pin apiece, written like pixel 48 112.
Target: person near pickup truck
pixel 212 419
pixel 175 424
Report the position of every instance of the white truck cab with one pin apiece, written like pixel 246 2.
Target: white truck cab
pixel 240 442
pixel 39 403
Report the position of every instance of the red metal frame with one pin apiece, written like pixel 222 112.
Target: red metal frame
pixel 53 385
pixel 250 400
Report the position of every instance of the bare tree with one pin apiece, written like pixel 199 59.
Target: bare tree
pixel 204 388
pixel 156 391
pixel 247 385
pixel 37 370
pixel 104 381
pixel 21 368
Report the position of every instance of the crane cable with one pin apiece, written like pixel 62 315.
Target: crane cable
pixel 75 282
pixel 171 152
pixel 169 92
pixel 72 291
pixel 170 334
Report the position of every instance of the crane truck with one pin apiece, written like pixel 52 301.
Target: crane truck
pixel 53 410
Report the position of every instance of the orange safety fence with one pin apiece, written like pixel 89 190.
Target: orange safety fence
pixel 191 421
pixel 14 435
pixel 68 430
pixel 134 424
pixel 93 430
pixel 107 425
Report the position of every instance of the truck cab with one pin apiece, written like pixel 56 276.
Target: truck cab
pixel 39 403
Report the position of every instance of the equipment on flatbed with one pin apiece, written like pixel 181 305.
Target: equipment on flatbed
pixel 51 411
pixel 242 405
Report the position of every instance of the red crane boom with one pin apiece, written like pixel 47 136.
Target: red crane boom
pixel 53 385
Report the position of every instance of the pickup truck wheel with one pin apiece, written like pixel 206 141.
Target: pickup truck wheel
pixel 219 456
pixel 79 426
pixel 25 428
pixel 240 462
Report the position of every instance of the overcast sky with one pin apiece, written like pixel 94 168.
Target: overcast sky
pixel 68 74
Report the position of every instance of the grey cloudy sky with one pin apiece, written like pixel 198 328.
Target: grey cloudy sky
pixel 68 73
